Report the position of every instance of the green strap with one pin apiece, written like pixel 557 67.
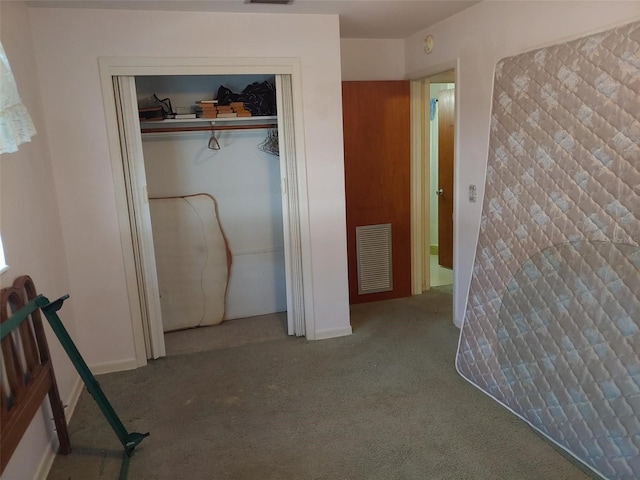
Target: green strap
pixel 17 318
pixel 128 440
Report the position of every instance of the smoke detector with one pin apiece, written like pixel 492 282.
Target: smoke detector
pixel 428 44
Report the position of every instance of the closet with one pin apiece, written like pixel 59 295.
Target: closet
pixel 214 191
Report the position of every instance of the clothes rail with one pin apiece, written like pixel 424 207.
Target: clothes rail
pixel 206 128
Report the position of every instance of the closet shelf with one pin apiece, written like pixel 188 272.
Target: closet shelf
pixel 208 124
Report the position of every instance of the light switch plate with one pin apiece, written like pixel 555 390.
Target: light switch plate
pixel 473 195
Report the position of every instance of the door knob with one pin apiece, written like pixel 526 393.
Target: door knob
pixel 440 192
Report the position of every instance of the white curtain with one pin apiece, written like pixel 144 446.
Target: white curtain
pixel 16 126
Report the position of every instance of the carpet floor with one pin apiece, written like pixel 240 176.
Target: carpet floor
pixel 384 403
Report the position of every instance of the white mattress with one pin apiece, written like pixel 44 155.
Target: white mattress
pixel 552 324
pixel 192 260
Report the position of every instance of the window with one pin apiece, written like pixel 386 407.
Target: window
pixel 16 126
pixel 3 263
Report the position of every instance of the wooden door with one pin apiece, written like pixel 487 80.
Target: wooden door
pixel 377 144
pixel 446 120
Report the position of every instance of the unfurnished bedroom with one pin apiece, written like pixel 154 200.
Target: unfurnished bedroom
pixel 320 240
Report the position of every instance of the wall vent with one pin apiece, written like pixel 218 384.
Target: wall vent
pixel 373 251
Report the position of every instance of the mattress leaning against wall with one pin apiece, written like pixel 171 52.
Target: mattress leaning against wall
pixel 552 324
pixel 193 260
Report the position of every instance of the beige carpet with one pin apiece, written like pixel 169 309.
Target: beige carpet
pixel 384 403
pixel 229 334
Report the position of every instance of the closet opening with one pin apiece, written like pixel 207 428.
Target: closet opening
pixel 238 181
pixel 214 191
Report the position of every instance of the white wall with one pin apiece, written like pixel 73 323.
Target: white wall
pixel 244 181
pixel 476 38
pixel 33 240
pixel 68 44
pixel 372 59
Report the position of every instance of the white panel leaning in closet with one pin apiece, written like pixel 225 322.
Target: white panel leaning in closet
pixel 228 156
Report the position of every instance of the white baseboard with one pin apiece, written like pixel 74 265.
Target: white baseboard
pixel 73 399
pixel 333 333
pixel 49 455
pixel 111 367
pixel 47 460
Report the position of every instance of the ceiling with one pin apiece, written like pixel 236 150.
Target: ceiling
pixel 391 19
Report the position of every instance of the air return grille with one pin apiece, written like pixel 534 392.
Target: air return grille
pixel 373 250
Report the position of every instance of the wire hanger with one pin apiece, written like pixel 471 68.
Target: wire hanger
pixel 213 142
pixel 270 144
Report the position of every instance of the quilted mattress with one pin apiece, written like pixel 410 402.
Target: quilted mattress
pixel 552 323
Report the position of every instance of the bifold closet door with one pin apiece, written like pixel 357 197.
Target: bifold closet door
pixel 296 319
pixel 377 152
pixel 145 303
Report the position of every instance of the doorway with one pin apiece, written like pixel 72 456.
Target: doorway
pixel 441 167
pixel 425 185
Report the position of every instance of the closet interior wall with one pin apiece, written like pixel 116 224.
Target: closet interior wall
pixel 244 181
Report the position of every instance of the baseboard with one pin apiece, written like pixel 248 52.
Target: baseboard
pixel 47 460
pixel 49 455
pixel 73 399
pixel 433 249
pixel 111 367
pixel 333 333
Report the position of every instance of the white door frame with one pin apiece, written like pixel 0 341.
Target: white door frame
pixel 147 341
pixel 420 174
